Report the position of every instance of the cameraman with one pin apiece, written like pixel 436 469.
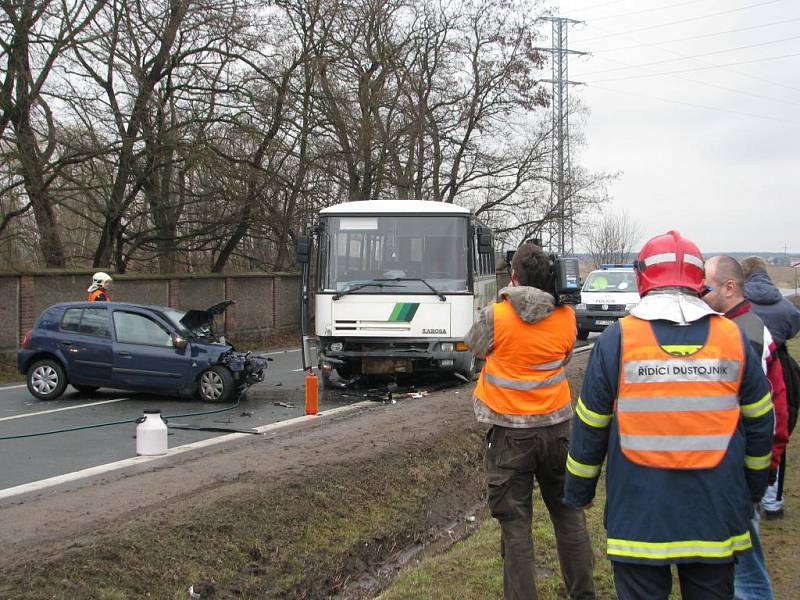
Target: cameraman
pixel 524 396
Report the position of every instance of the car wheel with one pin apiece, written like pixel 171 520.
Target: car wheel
pixel 86 389
pixel 46 379
pixel 215 385
pixel 583 334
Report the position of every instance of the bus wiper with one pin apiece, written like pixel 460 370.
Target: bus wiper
pixel 375 282
pixel 430 287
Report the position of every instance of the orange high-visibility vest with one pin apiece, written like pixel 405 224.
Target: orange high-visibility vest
pixel 524 373
pixel 95 295
pixel 678 412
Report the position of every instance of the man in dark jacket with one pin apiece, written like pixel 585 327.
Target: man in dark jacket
pixel 676 399
pixel 782 319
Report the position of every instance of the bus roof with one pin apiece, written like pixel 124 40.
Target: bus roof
pixel 411 207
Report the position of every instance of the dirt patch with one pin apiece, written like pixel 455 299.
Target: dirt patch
pixel 319 512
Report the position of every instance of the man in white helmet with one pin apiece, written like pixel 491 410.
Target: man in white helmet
pixel 100 289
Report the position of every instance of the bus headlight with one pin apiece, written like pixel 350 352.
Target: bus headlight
pixel 447 347
pixel 580 306
pixel 336 347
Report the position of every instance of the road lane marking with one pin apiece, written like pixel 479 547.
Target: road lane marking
pixel 12 387
pixel 42 484
pixel 53 410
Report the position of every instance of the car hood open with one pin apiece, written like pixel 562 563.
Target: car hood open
pixel 197 319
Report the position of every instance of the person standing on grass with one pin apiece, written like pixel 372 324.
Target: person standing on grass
pixel 725 294
pixel 676 399
pixel 782 318
pixel 524 397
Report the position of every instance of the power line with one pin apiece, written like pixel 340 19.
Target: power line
pixel 657 26
pixel 697 37
pixel 692 56
pixel 596 6
pixel 647 10
pixel 707 68
pixel 705 62
pixel 691 104
pixel 722 87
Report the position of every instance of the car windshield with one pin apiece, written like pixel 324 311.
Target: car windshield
pixel 610 281
pixel 416 252
pixel 174 315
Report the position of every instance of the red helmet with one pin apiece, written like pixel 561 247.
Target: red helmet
pixel 669 260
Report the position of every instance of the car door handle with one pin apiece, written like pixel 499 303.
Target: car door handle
pixel 124 354
pixel 66 343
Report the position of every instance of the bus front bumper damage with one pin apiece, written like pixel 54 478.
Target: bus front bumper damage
pixel 387 357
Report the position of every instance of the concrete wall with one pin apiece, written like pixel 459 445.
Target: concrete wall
pixel 266 304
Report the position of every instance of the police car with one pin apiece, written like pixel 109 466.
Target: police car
pixel 608 294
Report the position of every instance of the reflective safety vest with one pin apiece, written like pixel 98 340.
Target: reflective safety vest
pixel 524 373
pixel 678 412
pixel 99 295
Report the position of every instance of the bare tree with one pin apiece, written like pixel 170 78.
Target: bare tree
pixel 613 238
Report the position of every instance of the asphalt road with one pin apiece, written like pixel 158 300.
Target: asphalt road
pixel 280 397
pixel 31 459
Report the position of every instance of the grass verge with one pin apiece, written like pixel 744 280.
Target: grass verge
pixel 472 569
pixel 307 537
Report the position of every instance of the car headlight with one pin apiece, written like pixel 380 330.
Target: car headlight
pixel 336 347
pixel 631 306
pixel 447 347
pixel 580 306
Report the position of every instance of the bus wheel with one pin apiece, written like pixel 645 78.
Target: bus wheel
pixel 467 366
pixel 583 334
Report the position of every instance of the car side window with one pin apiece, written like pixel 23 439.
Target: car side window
pixel 95 322
pixel 133 328
pixel 71 320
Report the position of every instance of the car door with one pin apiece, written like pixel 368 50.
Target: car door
pixel 144 356
pixel 85 343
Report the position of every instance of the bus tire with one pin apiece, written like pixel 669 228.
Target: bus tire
pixel 583 334
pixel 467 366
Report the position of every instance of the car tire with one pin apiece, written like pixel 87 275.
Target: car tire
pixel 215 385
pixel 86 389
pixel 46 379
pixel 583 334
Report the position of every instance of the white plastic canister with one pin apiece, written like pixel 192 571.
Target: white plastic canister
pixel 151 434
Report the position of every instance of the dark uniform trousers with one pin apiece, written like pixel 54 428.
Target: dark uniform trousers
pixel 513 458
pixel 698 581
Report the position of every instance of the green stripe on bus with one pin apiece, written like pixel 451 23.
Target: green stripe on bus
pixel 404 311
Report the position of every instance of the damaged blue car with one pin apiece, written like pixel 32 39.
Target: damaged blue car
pixel 134 347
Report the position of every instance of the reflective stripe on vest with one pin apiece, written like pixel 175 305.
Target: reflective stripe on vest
pixel 678 412
pixel 681 549
pixel 523 374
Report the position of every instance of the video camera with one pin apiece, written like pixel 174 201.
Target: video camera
pixel 565 281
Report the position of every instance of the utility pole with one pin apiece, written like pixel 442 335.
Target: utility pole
pixel 562 227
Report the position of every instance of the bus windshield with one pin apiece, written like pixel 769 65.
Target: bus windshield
pixel 355 250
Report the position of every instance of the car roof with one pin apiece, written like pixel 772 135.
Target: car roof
pixel 85 304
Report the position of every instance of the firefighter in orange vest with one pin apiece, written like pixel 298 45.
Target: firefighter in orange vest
pixel 524 396
pixel 100 290
pixel 675 398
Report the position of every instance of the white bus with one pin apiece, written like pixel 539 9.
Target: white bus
pixel 399 283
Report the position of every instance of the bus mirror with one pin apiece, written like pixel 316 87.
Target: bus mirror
pixel 485 241
pixel 303 249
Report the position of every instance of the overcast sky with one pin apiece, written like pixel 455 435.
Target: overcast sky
pixel 711 152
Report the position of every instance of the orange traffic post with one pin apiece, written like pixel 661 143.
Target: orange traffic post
pixel 312 393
